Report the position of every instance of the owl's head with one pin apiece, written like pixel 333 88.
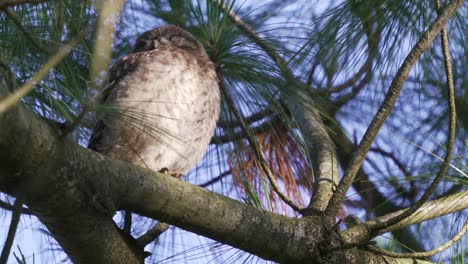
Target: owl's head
pixel 168 35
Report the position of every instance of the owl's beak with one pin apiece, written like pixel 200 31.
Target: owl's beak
pixel 164 41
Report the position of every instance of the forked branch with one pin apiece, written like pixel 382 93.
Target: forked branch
pixel 451 132
pixel 386 108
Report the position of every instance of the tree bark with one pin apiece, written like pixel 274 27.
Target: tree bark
pixel 74 191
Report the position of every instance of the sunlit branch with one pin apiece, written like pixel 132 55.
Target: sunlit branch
pixel 108 17
pixel 376 203
pixel 386 108
pixel 451 131
pixel 426 254
pixel 361 234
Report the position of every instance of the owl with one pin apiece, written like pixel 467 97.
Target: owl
pixel 163 102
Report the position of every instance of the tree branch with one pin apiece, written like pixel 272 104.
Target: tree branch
pixel 36 165
pixel 426 254
pixel 69 188
pixel 152 234
pixel 10 207
pixel 15 217
pixel 451 132
pixel 215 179
pixel 248 120
pixel 386 108
pixel 361 234
pixel 236 136
pixel 376 202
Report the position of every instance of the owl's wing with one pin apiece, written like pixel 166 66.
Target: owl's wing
pixel 121 68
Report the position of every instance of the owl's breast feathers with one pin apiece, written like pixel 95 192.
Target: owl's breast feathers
pixel 163 107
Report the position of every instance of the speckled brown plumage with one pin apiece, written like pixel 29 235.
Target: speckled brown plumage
pixel 165 99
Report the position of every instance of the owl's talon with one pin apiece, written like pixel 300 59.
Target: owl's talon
pixel 164 170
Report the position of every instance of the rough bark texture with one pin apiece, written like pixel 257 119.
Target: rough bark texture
pixel 42 169
pixel 72 190
pixel 320 148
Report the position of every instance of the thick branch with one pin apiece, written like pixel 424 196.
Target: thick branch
pixel 319 147
pixel 35 165
pixel 54 172
pixel 64 184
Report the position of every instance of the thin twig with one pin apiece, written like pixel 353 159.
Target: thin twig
pixel 15 217
pixel 339 102
pixel 310 74
pixel 386 108
pixel 255 148
pixel 231 137
pixel 373 39
pixel 251 119
pixel 407 194
pixel 216 179
pixel 152 234
pixel 9 76
pixel 9 207
pixel 60 25
pixel 451 132
pixel 127 228
pixel 426 254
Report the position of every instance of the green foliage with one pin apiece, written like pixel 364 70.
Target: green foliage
pixel 344 53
